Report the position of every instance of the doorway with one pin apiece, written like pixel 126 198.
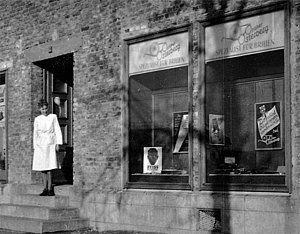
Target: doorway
pixel 58 91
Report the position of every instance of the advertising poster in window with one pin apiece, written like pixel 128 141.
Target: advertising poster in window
pixel 268 126
pixel 2 95
pixel 180 132
pixel 152 160
pixel 216 130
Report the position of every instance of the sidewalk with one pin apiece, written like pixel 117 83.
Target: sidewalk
pixel 112 232
pixel 86 231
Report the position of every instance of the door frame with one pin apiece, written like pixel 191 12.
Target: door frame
pixel 61 69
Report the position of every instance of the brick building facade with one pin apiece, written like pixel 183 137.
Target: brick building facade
pixel 86 44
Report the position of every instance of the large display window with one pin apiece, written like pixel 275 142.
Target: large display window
pixel 158 113
pixel 246 104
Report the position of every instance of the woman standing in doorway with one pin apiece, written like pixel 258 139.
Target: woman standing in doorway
pixel 46 138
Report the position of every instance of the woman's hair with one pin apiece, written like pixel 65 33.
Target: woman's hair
pixel 42 103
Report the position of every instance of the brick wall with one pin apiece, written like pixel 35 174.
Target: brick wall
pixel 295 75
pixel 102 27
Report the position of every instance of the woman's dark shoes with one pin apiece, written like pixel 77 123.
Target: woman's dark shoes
pixel 51 192
pixel 45 192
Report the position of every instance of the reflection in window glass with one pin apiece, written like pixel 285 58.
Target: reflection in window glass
pixel 158 131
pixel 245 119
pixel 64 131
pixel 60 107
pixel 59 86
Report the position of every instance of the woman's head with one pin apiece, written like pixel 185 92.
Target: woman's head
pixel 42 103
pixel 43 106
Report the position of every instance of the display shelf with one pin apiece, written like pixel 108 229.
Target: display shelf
pixel 160 178
pixel 246 178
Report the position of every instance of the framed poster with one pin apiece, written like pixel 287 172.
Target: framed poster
pixel 2 95
pixel 268 133
pixel 152 160
pixel 216 130
pixel 180 132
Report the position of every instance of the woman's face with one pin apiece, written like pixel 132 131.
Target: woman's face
pixel 44 110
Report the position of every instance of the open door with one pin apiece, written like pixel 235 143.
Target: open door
pixel 58 91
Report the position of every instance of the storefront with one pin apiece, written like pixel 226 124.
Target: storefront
pixel 212 118
pixel 242 118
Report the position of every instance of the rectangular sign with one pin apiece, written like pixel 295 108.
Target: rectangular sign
pixel 152 160
pixel 216 130
pixel 180 132
pixel 268 126
pixel 246 36
pixel 159 54
pixel 2 94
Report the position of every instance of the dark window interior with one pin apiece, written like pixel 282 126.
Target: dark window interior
pixel 156 101
pixel 236 89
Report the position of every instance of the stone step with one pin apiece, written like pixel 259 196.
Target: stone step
pixel 31 189
pixel 41 226
pixel 28 188
pixel 36 200
pixel 25 211
pixel 38 212
pixel 36 189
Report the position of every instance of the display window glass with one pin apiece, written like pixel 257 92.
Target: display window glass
pixel 158 113
pixel 245 108
pixel 245 120
pixel 158 132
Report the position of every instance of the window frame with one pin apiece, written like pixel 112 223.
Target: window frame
pixel 126 183
pixel 287 98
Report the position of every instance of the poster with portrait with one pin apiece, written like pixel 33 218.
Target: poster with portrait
pixel 180 132
pixel 268 126
pixel 152 160
pixel 216 130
